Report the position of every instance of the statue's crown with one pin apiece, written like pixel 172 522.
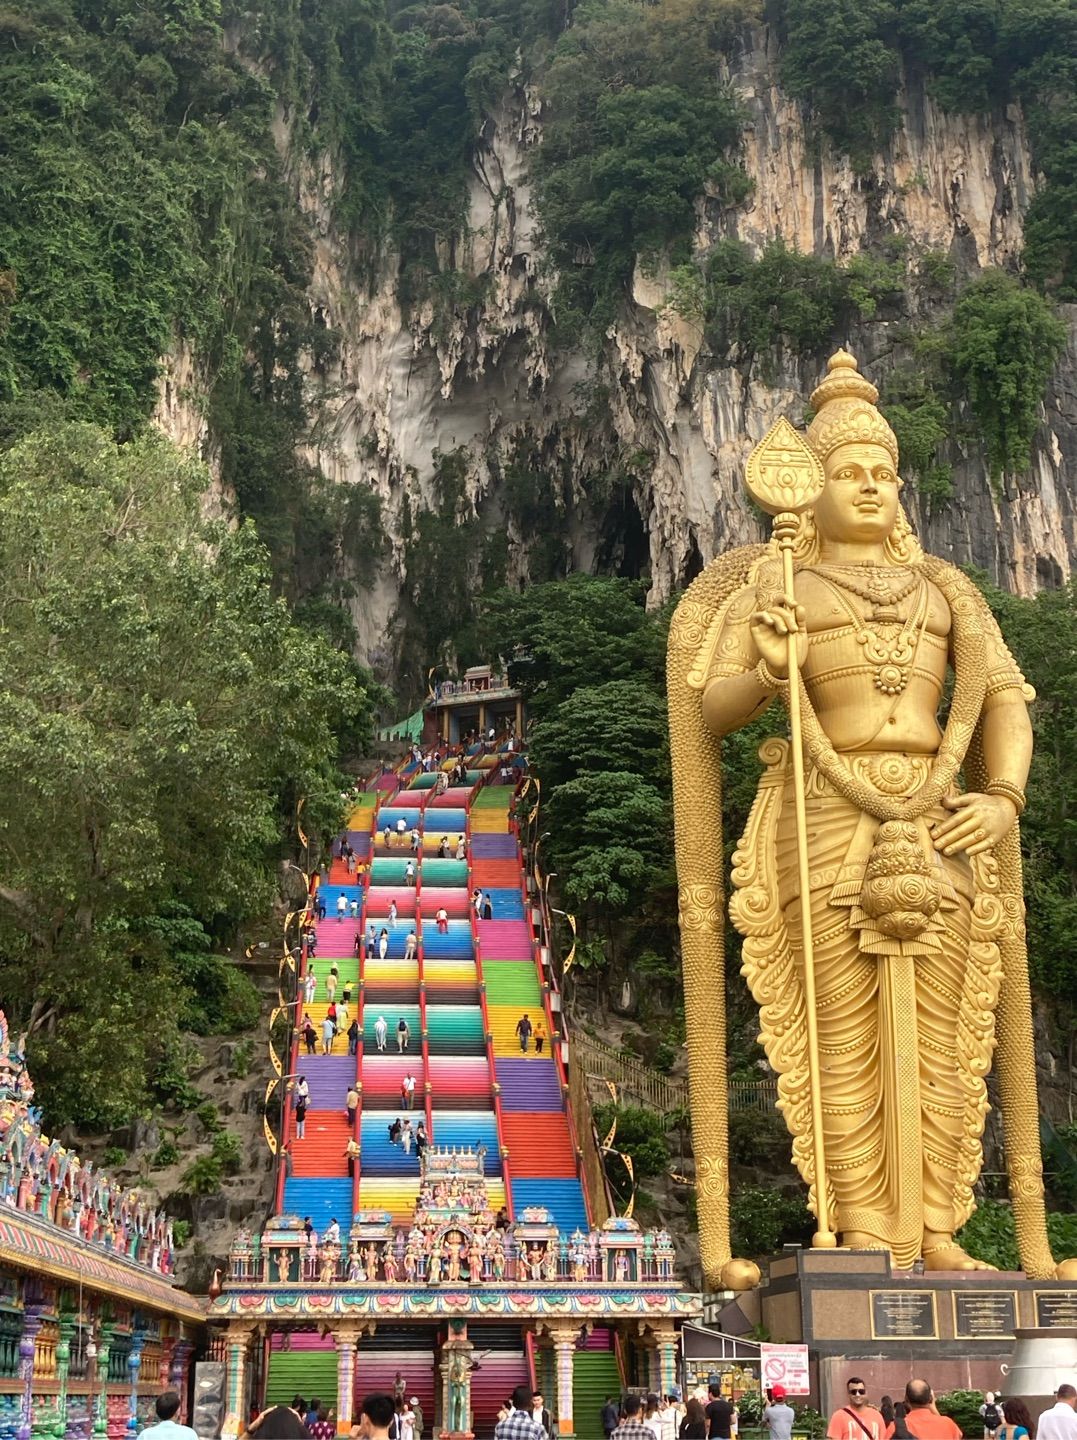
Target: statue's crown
pixel 845 410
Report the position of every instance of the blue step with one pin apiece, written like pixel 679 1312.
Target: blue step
pixel 322 1200
pixel 507 904
pixel 563 1198
pixel 389 815
pixel 329 893
pixel 453 944
pixel 464 1129
pixel 380 1155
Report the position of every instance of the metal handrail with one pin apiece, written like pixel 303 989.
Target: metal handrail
pixel 661 1092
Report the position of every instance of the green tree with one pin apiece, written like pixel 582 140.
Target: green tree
pixel 1006 342
pixel 569 634
pixel 640 1134
pixel 616 726
pixel 160 715
pixel 611 832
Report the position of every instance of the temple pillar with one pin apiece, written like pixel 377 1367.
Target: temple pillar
pixel 178 1366
pixel 31 1324
pixel 100 1404
pixel 346 1338
pixel 519 717
pixel 239 1338
pixel 564 1347
pixel 134 1371
pixel 63 1367
pixel 667 1352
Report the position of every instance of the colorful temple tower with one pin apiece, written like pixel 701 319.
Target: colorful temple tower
pixel 92 1326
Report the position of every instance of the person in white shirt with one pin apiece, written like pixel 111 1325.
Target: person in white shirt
pixel 401 830
pixel 342 905
pixel 381 1031
pixel 332 1233
pixel 167 1408
pixel 1060 1422
pixel 667 1418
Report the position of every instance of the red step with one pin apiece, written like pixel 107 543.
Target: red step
pixel 495 874
pixel 321 1151
pixel 539 1145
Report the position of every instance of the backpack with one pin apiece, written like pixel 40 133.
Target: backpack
pixel 992 1417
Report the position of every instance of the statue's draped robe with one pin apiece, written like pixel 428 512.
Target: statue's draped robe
pixel 906 1026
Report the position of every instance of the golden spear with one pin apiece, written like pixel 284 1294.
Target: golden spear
pixel 785 477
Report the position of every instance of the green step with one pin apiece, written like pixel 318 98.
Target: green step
pixel 594 1376
pixel 493 797
pixel 439 872
pixel 508 983
pixel 388 872
pixel 393 1013
pixel 454 1022
pixel 426 780
pixel 301 1372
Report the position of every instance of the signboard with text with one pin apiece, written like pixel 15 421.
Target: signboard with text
pixel 785 1365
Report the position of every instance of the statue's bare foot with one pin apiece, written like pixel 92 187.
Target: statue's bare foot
pixel 861 1240
pixel 941 1252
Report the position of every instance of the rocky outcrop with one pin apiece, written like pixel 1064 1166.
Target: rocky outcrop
pixel 475 374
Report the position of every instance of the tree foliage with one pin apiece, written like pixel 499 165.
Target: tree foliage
pixel 1006 342
pixel 161 717
pixel 640 122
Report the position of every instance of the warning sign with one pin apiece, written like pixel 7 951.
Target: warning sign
pixel 785 1365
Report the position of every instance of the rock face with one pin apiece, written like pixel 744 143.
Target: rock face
pixel 675 425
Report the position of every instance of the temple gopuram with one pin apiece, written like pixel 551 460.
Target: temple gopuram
pixel 458 1273
pixel 92 1326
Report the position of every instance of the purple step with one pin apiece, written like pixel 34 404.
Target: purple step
pixel 529 1085
pixel 493 847
pixel 328 1077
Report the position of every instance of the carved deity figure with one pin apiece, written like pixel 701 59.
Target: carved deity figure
pixel 388 1263
pixel 911 845
pixel 459 1370
pixel 453 1249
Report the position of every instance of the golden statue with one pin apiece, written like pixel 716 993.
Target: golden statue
pixel 883 999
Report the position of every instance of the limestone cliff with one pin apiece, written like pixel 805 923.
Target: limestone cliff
pixel 655 410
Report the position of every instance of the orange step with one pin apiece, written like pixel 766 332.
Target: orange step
pixel 539 1145
pixel 497 874
pixel 321 1151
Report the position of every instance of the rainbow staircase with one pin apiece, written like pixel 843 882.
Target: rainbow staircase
pixel 461 996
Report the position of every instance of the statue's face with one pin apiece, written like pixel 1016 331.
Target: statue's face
pixel 860 499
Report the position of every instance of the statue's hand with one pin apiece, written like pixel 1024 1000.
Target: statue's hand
pixel 770 630
pixel 978 822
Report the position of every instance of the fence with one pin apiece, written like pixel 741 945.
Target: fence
pixel 662 1093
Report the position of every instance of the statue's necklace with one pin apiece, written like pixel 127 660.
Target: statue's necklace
pixel 890 653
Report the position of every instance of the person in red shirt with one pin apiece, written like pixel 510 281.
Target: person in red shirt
pixel 856 1420
pixel 921 1417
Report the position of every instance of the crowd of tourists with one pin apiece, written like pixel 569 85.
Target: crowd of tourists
pixel 708 1414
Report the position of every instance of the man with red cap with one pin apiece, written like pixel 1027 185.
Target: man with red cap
pixel 777 1415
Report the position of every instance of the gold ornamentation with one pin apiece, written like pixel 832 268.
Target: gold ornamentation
pixel 1009 792
pixel 891 654
pixel 845 410
pixel 901 891
pixel 783 472
pixel 901 1160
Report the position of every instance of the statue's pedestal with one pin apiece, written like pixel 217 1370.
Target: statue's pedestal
pixel 859 1316
pixel 456 1435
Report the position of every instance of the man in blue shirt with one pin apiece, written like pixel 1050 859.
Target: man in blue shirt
pixel 167 1408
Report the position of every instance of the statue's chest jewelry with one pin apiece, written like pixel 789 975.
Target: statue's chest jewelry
pixel 888 642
